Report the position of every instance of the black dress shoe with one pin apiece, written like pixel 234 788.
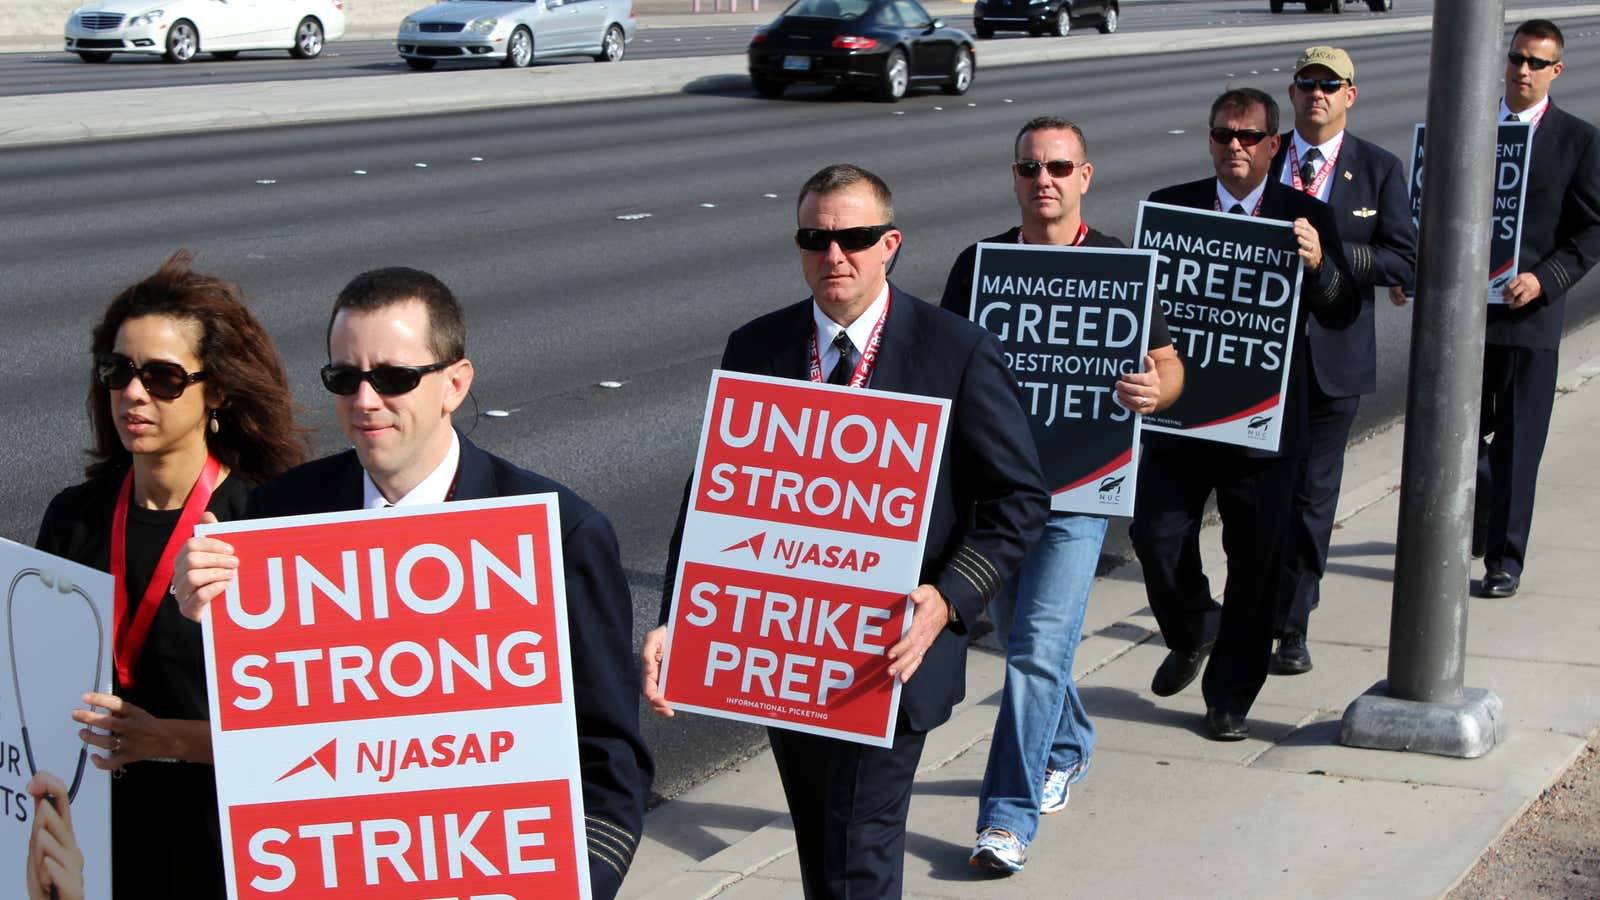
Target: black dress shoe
pixel 1225 726
pixel 1499 584
pixel 1292 657
pixel 1177 670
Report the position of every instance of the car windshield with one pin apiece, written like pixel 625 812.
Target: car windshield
pixel 829 9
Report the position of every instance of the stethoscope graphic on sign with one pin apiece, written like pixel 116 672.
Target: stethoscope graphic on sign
pixel 64 586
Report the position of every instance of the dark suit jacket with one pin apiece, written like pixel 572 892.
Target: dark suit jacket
pixel 990 501
pixel 616 766
pixel 1381 247
pixel 1329 296
pixel 1560 228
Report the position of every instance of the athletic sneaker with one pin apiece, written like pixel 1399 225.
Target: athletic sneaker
pixel 1000 850
pixel 1058 787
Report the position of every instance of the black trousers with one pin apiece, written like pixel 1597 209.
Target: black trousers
pixel 849 803
pixel 1253 499
pixel 1519 390
pixel 1316 496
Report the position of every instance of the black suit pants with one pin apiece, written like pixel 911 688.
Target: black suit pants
pixel 849 804
pixel 1253 499
pixel 1315 498
pixel 1519 390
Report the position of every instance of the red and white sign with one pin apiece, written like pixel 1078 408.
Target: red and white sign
pixel 391 705
pixel 804 534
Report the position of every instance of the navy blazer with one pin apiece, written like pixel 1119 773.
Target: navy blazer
pixel 1368 193
pixel 990 502
pixel 1329 296
pixel 616 767
pixel 1560 229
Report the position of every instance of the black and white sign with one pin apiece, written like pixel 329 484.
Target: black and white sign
pixel 1072 320
pixel 1513 147
pixel 1230 289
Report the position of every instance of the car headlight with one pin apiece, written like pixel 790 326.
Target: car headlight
pixel 149 18
pixel 408 25
pixel 482 26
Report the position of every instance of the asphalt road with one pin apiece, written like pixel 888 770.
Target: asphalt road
pixel 600 243
pixel 59 71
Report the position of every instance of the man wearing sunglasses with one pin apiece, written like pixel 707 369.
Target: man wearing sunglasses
pixel 1366 187
pixel 1043 737
pixel 849 801
pixel 1254 488
pixel 398 369
pixel 1560 242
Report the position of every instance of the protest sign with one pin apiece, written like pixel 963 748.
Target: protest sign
pixel 1072 321
pixel 391 705
pixel 57 640
pixel 807 516
pixel 1229 287
pixel 1513 147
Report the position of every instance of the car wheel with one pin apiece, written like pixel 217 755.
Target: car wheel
pixel 1275 5
pixel 519 49
pixel 896 77
pixel 770 88
pixel 421 65
pixel 613 47
pixel 183 42
pixel 94 56
pixel 1108 22
pixel 961 72
pixel 983 31
pixel 1062 25
pixel 308 39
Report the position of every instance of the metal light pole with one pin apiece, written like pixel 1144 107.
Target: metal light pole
pixel 1423 706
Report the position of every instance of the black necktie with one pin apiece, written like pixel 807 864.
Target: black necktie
pixel 1512 117
pixel 1308 169
pixel 1237 209
pixel 842 370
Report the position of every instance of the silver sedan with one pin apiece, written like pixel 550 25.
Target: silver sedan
pixel 516 32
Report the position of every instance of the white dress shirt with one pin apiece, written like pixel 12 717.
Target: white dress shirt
pixel 860 331
pixel 1248 201
pixel 433 489
pixel 1329 150
pixel 1532 114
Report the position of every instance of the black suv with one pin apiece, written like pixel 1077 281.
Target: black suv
pixel 1038 17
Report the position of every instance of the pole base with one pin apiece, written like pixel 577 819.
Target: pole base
pixel 1465 728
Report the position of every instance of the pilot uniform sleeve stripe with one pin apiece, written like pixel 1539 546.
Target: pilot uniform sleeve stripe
pixel 600 841
pixel 620 833
pixel 979 558
pixel 610 858
pixel 964 561
pixel 969 579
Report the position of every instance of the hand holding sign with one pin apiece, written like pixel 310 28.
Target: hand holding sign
pixel 930 616
pixel 1140 391
pixel 202 571
pixel 655 643
pixel 1310 244
pixel 55 864
pixel 131 734
pixel 1522 290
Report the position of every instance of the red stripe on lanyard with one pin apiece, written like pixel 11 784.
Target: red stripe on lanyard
pixel 1322 173
pixel 129 637
pixel 869 354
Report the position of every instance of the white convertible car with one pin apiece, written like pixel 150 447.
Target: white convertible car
pixel 179 29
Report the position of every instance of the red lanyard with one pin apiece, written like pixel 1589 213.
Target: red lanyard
pixel 869 354
pixel 1322 174
pixel 130 636
pixel 1216 204
pixel 1083 232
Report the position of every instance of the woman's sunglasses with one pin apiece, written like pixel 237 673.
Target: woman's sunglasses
pixel 386 380
pixel 163 380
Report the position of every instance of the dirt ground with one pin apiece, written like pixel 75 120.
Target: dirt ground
pixel 1554 849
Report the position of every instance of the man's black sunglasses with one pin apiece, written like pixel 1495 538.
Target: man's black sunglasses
pixel 163 380
pixel 386 380
pixel 1247 137
pixel 849 239
pixel 1534 62
pixel 1328 85
pixel 1058 168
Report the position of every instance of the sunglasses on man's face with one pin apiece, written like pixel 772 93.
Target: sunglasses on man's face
pixel 1058 168
pixel 162 380
pixel 386 380
pixel 849 240
pixel 1327 85
pixel 1247 137
pixel 1535 63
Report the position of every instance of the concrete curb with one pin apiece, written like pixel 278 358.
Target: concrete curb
pixel 107 115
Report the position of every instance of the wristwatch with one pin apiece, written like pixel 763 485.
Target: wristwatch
pixel 955 618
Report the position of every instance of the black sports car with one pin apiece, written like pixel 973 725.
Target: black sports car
pixel 1042 16
pixel 886 45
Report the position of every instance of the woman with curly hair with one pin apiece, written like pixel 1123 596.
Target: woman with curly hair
pixel 189 409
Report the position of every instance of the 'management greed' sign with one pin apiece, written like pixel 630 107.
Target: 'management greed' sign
pixel 1230 289
pixel 1513 147
pixel 803 536
pixel 1072 321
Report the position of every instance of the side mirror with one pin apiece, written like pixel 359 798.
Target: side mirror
pixel 936 24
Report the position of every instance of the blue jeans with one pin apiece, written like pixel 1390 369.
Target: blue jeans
pixel 1042 723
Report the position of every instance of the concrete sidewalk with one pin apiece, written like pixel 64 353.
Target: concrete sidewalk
pixel 1165 812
